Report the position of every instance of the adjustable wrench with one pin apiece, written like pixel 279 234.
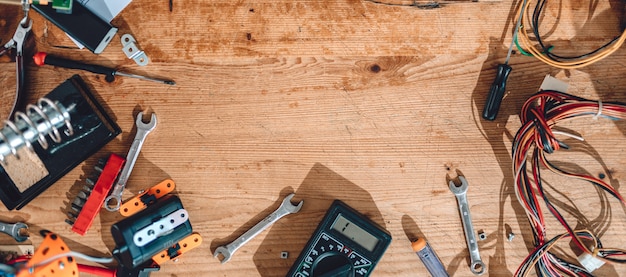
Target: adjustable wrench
pixel 112 202
pixel 476 265
pixel 19 231
pixel 286 207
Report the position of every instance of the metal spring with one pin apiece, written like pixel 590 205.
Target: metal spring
pixel 40 120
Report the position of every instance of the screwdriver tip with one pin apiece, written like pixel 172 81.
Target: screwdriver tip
pixel 172 83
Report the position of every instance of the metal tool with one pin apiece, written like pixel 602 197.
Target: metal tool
pixel 19 231
pixel 17 43
pixel 460 191
pixel 42 58
pixel 286 207
pixel 112 202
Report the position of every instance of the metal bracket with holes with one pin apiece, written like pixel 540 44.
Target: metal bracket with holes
pixel 147 198
pixel 161 227
pixel 129 46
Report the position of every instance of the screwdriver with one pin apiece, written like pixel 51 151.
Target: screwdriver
pixel 42 58
pixel 498 87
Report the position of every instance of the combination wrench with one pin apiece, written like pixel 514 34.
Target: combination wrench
pixel 460 191
pixel 286 207
pixel 114 200
pixel 19 231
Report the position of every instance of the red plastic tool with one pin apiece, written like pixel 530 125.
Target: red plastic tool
pixel 98 194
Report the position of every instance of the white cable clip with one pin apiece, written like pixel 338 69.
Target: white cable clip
pixel 161 227
pixel 132 51
pixel 595 117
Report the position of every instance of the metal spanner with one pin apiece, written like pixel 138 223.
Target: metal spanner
pixel 19 231
pixel 112 202
pixel 476 265
pixel 286 207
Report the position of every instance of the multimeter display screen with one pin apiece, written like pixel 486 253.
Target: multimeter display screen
pixel 354 232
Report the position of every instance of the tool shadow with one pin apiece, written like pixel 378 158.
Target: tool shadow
pixel 319 189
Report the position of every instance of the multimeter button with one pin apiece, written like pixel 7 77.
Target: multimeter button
pixel 333 265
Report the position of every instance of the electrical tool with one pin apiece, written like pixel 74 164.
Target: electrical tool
pixel 460 191
pixel 285 208
pixel 430 259
pixel 42 58
pixel 76 125
pixel 16 45
pixel 82 25
pixel 498 87
pixel 345 243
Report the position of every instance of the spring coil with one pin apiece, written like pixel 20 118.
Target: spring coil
pixel 40 120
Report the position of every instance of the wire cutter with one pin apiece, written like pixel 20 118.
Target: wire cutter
pixel 17 44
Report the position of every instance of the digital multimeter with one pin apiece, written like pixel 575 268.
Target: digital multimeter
pixel 345 244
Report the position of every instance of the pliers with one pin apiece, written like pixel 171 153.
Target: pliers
pixel 17 43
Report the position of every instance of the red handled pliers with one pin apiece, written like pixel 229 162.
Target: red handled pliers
pixel 17 45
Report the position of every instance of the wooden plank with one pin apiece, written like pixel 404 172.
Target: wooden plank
pixel 352 100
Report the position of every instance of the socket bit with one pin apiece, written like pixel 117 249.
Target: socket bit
pixel 83 195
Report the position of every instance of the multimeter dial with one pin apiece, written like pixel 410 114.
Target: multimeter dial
pixel 330 257
pixel 345 244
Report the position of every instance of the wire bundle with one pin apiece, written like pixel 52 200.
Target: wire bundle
pixel 544 53
pixel 532 142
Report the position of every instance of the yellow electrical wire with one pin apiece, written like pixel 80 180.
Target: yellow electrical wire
pixel 530 47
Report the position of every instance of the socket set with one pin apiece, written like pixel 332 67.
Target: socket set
pixel 88 202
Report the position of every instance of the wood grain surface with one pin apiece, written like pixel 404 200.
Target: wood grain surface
pixel 369 103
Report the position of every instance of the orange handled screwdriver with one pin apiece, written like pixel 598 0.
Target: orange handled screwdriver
pixel 42 58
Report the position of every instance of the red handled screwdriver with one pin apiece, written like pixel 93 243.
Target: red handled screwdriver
pixel 498 87
pixel 42 58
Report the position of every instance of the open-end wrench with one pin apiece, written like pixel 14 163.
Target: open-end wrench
pixel 286 207
pixel 476 265
pixel 114 200
pixel 19 231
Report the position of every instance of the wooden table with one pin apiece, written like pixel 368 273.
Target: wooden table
pixel 369 103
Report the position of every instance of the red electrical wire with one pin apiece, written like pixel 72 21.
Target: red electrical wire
pixel 94 270
pixel 539 114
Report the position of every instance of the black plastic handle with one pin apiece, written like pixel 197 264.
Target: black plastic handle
pixel 496 93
